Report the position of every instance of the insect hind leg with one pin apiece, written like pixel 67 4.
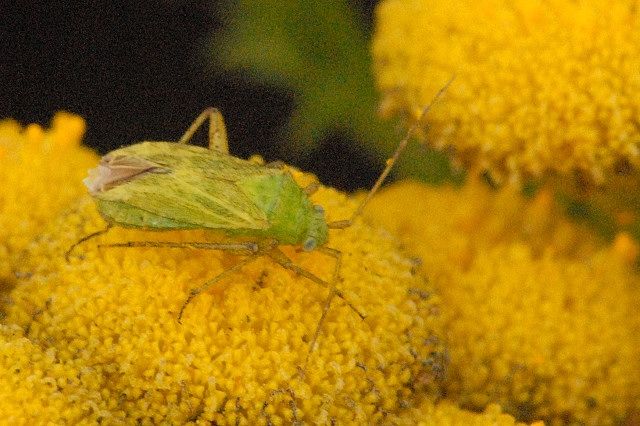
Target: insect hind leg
pixel 217 130
pixel 67 254
pixel 249 249
pixel 327 302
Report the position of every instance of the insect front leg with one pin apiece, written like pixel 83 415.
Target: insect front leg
pixel 217 130
pixel 67 254
pixel 238 248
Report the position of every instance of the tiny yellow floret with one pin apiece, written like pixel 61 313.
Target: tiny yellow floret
pixel 539 87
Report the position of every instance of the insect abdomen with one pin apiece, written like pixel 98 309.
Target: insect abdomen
pixel 132 217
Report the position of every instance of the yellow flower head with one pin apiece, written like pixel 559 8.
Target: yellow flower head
pixel 539 318
pixel 97 340
pixel 41 173
pixel 454 225
pixel 540 87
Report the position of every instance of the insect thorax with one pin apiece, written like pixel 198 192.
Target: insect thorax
pixel 292 217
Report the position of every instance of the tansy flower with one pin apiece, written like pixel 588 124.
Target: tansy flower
pixel 38 387
pixel 41 173
pixel 97 339
pixel 455 224
pixel 539 317
pixel 540 86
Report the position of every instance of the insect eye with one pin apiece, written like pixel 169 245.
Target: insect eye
pixel 309 244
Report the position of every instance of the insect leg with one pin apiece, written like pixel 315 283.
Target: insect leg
pixel 278 164
pixel 311 188
pixel 240 248
pixel 67 254
pixel 196 291
pixel 327 302
pixel 217 130
pixel 280 258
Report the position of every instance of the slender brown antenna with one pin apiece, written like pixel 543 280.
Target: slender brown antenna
pixel 391 161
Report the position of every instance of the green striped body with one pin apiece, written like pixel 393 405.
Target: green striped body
pixel 165 186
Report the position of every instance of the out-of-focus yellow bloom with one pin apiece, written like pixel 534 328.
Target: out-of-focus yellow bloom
pixel 41 172
pixel 538 318
pixel 540 86
pixel 447 413
pixel 455 224
pixel 618 202
pixel 97 340
pixel 626 247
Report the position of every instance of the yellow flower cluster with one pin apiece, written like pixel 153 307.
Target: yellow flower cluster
pixel 539 87
pixel 41 173
pixel 539 316
pixel 97 339
pixel 39 388
pixel 456 224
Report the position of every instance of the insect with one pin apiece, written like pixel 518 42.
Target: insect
pixel 161 186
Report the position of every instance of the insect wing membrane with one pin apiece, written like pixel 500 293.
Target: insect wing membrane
pixel 190 187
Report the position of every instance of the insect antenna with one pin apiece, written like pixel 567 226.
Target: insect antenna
pixel 67 254
pixel 341 224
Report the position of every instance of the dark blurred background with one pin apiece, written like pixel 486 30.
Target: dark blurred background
pixel 144 70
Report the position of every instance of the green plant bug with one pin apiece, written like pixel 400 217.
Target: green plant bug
pixel 161 186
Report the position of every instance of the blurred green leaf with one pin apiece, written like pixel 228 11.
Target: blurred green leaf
pixel 320 51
